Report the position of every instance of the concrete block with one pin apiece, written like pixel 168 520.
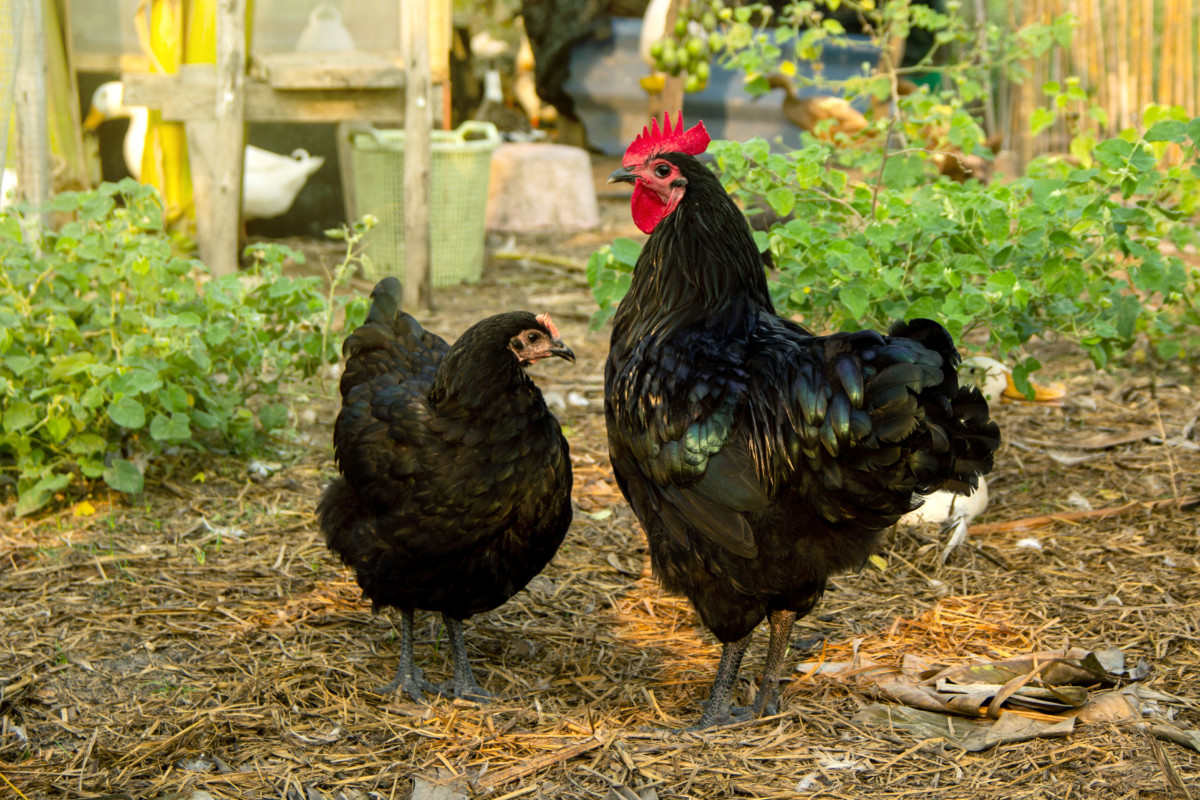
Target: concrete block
pixel 537 187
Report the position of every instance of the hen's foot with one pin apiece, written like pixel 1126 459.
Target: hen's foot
pixel 413 684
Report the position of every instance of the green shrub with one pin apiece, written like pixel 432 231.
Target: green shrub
pixel 1072 249
pixel 114 349
pixel 1066 251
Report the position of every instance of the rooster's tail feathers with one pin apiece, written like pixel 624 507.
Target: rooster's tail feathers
pixel 976 438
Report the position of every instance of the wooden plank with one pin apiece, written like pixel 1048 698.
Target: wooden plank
pixel 341 70
pixel 670 99
pixel 29 109
pixel 418 127
pixel 230 136
pixel 441 17
pixel 345 153
pixel 194 101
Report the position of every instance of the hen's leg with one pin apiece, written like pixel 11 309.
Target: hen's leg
pixel 464 685
pixel 408 674
pixel 716 711
pixel 768 693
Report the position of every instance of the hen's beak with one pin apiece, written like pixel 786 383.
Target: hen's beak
pixel 93 120
pixel 622 175
pixel 561 350
pixel 1042 395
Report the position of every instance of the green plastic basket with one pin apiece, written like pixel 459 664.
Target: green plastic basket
pixel 460 167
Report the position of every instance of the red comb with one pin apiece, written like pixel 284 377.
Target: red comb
pixel 693 141
pixel 548 324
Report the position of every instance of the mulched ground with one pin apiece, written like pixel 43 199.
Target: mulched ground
pixel 201 639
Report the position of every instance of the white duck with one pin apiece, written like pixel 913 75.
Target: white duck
pixel 954 512
pixel 270 181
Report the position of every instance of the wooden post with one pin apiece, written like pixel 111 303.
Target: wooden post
pixel 33 138
pixel 670 99
pixel 418 127
pixel 229 144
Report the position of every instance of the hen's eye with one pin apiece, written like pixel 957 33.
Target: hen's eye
pixel 662 170
pixel 532 337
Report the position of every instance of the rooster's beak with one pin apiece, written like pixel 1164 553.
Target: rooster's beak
pixel 622 175
pixel 561 350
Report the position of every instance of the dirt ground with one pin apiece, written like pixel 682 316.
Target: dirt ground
pixel 201 638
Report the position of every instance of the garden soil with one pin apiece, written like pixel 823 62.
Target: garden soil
pixel 199 641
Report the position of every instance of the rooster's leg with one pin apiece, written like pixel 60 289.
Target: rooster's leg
pixel 464 685
pixel 768 693
pixel 408 674
pixel 716 711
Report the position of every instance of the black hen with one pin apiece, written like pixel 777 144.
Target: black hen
pixel 759 458
pixel 456 479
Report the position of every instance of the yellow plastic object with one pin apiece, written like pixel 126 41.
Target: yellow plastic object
pixel 653 83
pixel 459 172
pixel 180 32
pixel 164 157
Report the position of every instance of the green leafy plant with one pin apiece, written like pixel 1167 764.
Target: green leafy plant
pixel 863 231
pixel 115 350
pixel 926 106
pixel 1066 251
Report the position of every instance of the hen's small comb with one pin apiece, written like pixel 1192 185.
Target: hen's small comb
pixel 693 141
pixel 548 324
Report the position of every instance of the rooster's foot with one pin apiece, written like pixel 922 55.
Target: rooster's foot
pixel 471 692
pixel 735 715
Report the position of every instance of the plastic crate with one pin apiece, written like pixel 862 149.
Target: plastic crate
pixel 459 171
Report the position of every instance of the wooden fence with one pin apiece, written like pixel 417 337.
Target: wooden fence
pixel 1127 55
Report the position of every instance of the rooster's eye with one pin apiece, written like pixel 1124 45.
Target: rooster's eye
pixel 662 170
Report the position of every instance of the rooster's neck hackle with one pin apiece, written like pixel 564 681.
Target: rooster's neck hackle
pixel 700 265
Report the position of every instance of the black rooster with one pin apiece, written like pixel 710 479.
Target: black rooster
pixel 456 479
pixel 759 458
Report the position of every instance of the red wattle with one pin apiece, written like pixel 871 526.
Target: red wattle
pixel 648 208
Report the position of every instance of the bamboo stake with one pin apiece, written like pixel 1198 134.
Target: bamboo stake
pixel 1191 97
pixel 1164 64
pixel 1180 75
pixel 1112 65
pixel 1085 46
pixel 1136 47
pixel 1034 90
pixel 1146 78
pixel 1122 35
pixel 1059 69
pixel 1187 50
pixel 1101 85
pixel 1195 66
